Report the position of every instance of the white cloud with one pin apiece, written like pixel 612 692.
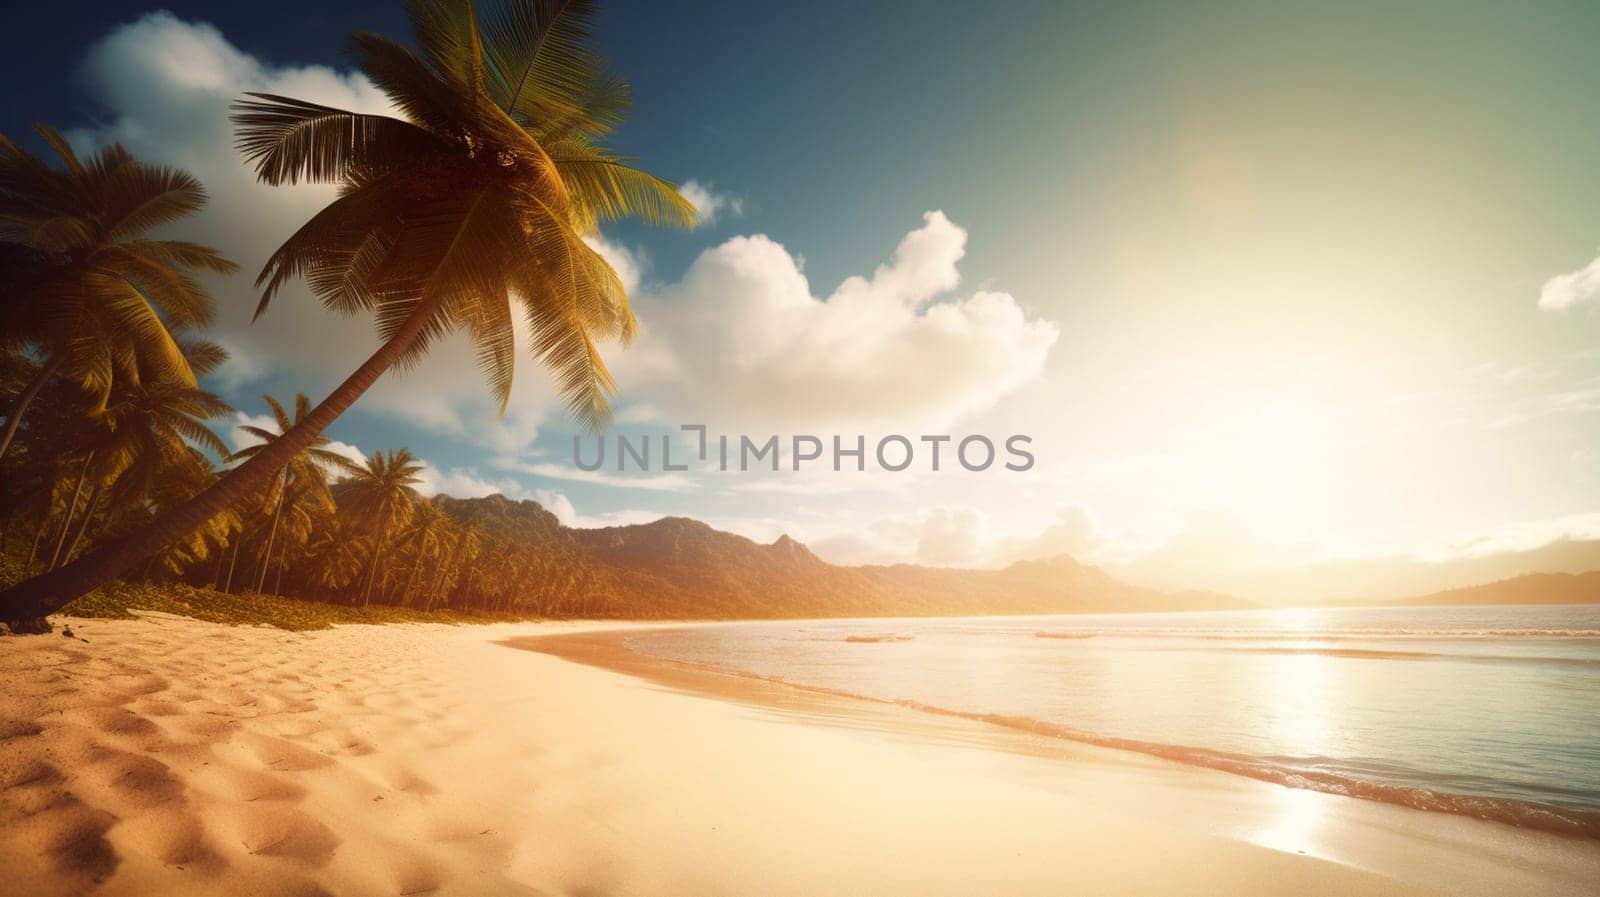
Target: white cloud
pixel 741 338
pixel 1526 535
pixel 558 504
pixel 709 204
pixel 1074 532
pixel 241 368
pixel 664 482
pixel 752 347
pixel 939 536
pixel 1566 290
pixel 463 482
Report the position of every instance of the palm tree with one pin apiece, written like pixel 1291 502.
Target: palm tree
pixel 380 493
pixel 429 527
pixel 483 192
pixel 466 544
pixel 99 300
pixel 338 559
pixel 305 475
pixel 305 509
pixel 146 444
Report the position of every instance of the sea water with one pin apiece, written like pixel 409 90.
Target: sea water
pixel 1486 711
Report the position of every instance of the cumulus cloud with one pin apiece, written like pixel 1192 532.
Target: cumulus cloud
pixel 751 345
pixel 940 536
pixel 463 482
pixel 558 504
pixel 1074 532
pixel 740 338
pixel 1566 290
pixel 709 204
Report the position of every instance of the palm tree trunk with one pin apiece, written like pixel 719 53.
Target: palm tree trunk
pixel 72 511
pixel 26 604
pixel 372 574
pixel 88 515
pixel 28 395
pixel 272 533
pixel 411 581
pixel 216 578
pixel 228 586
pixel 283 561
pixel 438 581
pixel 38 536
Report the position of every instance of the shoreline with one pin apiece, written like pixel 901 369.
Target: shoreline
pixel 606 649
pixel 165 755
pixel 1249 798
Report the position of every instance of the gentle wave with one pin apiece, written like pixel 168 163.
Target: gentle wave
pixel 1387 654
pixel 1351 653
pixel 1329 635
pixel 1523 814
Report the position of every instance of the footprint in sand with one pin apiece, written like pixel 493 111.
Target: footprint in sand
pixel 274 830
pixel 275 753
pixel 229 782
pixel 133 781
pixel 71 839
pixel 173 836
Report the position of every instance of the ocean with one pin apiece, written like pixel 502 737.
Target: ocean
pixel 1491 712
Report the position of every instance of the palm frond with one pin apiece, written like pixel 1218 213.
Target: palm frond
pixel 60 146
pixel 290 140
pixel 182 254
pixel 605 188
pixel 204 356
pixel 540 59
pixel 447 33
pixel 140 197
pixel 427 100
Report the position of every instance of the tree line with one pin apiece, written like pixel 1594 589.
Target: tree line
pixel 470 205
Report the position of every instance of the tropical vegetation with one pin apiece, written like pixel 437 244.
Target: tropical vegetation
pixel 474 203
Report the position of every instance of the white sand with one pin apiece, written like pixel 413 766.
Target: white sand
pixel 166 756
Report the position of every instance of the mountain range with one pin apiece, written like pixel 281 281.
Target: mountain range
pixel 681 568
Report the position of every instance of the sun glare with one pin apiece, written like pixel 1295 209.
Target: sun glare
pixel 1269 465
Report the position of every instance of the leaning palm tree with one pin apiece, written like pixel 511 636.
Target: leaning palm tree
pixel 472 203
pixel 381 493
pixel 89 292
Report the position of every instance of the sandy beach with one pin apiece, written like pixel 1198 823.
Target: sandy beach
pixel 169 756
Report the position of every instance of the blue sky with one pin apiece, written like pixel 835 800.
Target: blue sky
pixel 1257 276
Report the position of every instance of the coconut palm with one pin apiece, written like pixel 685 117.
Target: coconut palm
pixel 305 475
pixel 465 545
pixel 430 525
pixel 380 494
pixel 145 444
pixel 89 292
pixel 474 202
pixel 303 511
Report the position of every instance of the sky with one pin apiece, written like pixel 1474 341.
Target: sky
pixel 1265 284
